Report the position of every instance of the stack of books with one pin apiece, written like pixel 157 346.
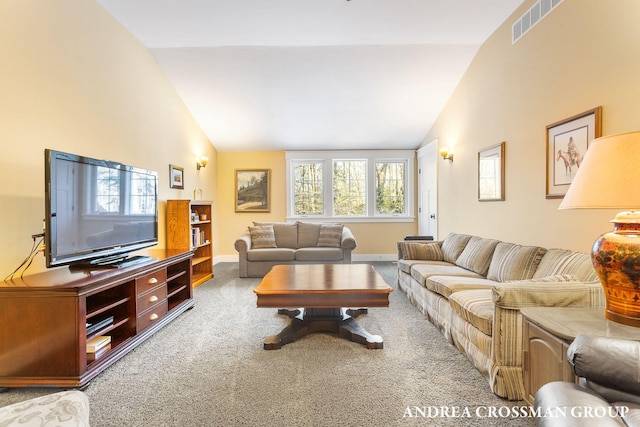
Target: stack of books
pixel 197 237
pixel 97 346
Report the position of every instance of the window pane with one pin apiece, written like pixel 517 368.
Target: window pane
pixel 143 189
pixel 107 191
pixel 307 193
pixel 349 187
pixel 489 178
pixel 390 181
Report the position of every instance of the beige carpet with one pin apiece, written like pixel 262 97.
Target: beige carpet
pixel 208 368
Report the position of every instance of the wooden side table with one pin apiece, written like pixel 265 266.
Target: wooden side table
pixel 548 332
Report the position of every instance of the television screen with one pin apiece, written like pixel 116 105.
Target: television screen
pixel 97 210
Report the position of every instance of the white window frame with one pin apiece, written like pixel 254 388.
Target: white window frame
pixel 371 156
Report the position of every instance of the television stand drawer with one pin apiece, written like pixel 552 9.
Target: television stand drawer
pixel 153 315
pixel 152 297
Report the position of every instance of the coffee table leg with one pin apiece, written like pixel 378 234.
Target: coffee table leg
pixel 351 330
pixel 335 320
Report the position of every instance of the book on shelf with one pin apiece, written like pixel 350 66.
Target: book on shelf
pixel 96 343
pixel 97 354
pixel 93 327
pixel 195 237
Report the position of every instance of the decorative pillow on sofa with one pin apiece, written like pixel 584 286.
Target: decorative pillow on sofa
pixel 422 251
pixel 330 235
pixel 477 255
pixel 262 236
pixel 453 245
pixel 514 262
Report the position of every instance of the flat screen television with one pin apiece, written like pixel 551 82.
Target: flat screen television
pixel 97 211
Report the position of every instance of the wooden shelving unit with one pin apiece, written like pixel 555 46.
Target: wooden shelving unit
pixel 189 226
pixel 46 319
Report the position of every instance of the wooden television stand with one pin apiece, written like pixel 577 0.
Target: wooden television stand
pixel 47 318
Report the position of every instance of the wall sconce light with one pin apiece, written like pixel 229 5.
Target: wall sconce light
pixel 446 155
pixel 202 162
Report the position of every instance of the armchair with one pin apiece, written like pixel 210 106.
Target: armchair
pixel 608 393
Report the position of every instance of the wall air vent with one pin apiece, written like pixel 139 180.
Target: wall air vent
pixel 531 17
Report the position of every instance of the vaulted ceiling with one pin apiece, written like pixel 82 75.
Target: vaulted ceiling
pixel 313 74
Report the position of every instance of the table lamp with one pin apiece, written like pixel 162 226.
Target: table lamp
pixel 608 179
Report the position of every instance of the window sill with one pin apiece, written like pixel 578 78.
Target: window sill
pixel 345 220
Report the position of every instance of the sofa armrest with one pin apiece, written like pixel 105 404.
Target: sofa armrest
pixel 348 241
pixel 242 245
pixel 243 242
pixel 516 295
pixel 610 366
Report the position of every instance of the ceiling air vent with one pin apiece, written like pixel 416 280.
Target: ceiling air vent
pixel 531 17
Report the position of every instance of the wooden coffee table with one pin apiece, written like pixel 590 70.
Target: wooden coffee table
pixel 323 291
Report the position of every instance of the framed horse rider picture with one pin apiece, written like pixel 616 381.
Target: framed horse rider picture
pixel 567 143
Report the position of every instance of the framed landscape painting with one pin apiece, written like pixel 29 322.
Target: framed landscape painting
pixel 567 143
pixel 252 189
pixel 176 177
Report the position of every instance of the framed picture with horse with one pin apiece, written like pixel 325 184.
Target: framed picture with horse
pixel 567 142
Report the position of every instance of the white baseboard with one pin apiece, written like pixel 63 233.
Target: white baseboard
pixel 357 258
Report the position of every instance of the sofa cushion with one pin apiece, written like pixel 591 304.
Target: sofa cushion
pixel 262 236
pixel 477 255
pixel 406 264
pixel 308 234
pixel 422 251
pixel 514 262
pixel 286 233
pixel 562 261
pixel 319 254
pixel 453 245
pixel 423 270
pixel 330 235
pixel 446 285
pixel 275 254
pixel 476 307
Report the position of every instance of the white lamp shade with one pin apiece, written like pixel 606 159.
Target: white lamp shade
pixel 609 175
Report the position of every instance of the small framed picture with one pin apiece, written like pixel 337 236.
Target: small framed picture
pixel 176 177
pixel 567 143
pixel 491 173
pixel 252 190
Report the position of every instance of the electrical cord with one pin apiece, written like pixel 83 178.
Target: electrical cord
pixel 28 260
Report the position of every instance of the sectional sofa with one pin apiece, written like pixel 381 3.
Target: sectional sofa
pixel 265 244
pixel 473 288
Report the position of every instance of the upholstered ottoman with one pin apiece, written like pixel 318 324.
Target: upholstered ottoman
pixel 65 408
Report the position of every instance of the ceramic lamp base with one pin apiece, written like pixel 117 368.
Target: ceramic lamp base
pixel 616 259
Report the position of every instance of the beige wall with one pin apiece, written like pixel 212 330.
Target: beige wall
pixel 73 79
pixel 582 55
pixel 372 238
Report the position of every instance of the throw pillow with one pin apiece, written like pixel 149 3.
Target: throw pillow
pixel 262 236
pixel 422 251
pixel 330 235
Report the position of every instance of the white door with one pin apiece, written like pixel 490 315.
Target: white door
pixel 428 190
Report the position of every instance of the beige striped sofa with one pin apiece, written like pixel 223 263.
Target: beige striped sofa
pixel 473 288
